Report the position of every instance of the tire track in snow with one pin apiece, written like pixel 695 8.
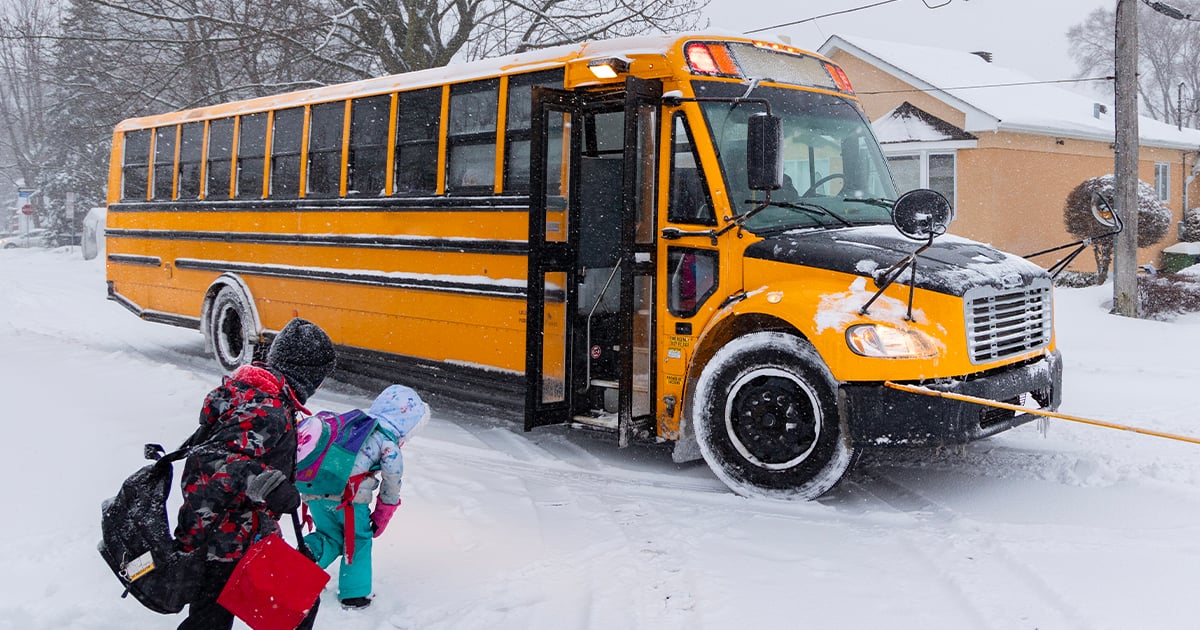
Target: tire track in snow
pixel 996 589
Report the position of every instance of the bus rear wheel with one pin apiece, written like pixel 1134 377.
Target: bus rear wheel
pixel 231 329
pixel 766 420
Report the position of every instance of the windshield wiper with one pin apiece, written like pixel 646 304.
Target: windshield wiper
pixel 803 206
pixel 874 201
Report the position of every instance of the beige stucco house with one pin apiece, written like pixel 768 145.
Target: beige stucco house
pixel 1006 155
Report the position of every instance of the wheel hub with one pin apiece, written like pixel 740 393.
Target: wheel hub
pixel 773 420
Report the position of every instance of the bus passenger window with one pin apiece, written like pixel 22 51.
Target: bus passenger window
pixel 693 279
pixel 366 166
pixel 252 142
pixel 164 162
pixel 135 172
pixel 471 137
pixel 191 151
pixel 418 121
pixel 220 154
pixel 689 202
pixel 325 131
pixel 286 137
pixel 517 127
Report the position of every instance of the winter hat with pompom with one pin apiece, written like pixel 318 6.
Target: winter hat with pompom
pixel 305 356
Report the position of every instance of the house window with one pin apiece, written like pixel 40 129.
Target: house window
pixel 1162 181
pixel 936 171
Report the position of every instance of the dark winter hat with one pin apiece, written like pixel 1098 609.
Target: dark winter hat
pixel 305 356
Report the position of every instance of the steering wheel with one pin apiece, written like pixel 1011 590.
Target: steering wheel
pixel 821 182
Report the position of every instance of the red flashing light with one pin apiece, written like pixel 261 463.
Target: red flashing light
pixel 711 59
pixel 839 78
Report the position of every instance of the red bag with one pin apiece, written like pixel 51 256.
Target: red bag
pixel 273 586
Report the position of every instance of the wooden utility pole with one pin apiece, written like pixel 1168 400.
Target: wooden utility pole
pixel 1125 301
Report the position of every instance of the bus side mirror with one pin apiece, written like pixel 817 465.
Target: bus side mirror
pixel 764 163
pixel 922 213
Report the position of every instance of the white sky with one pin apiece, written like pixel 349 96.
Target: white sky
pixel 1028 35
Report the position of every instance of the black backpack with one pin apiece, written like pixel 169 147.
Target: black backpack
pixel 136 537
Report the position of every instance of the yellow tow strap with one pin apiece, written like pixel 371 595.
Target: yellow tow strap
pixel 925 391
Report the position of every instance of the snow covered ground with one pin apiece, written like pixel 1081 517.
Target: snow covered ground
pixel 1083 528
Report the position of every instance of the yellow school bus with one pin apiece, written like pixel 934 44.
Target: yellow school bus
pixel 689 238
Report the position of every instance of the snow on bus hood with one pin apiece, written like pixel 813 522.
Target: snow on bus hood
pixel 951 266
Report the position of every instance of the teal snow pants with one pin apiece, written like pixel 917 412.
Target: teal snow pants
pixel 328 542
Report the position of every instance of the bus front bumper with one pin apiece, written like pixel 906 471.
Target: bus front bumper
pixel 881 416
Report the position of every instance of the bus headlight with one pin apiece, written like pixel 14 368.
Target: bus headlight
pixel 886 342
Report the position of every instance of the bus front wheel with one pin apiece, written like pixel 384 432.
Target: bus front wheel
pixel 231 329
pixel 766 420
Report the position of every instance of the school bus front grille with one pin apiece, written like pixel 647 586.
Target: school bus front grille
pixel 1005 323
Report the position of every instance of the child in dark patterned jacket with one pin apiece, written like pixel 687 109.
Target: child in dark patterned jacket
pixel 238 482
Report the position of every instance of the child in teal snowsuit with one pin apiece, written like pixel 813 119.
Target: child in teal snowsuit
pixel 399 411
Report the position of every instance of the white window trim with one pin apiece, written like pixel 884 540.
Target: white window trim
pixel 927 149
pixel 1163 190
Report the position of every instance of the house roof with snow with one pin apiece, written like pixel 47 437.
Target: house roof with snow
pixel 909 123
pixel 1021 103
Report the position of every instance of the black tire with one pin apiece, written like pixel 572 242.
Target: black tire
pixel 766 420
pixel 231 328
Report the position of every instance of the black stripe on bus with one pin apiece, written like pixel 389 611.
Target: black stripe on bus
pixel 460 245
pixel 366 204
pixel 129 259
pixel 378 279
pixel 158 317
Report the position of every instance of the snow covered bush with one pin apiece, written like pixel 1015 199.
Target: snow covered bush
pixel 1191 225
pixel 1164 297
pixel 1154 219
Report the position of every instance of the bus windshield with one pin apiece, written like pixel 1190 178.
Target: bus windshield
pixel 834 172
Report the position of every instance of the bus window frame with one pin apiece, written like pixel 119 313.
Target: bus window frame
pixel 427 146
pixel 126 164
pixel 484 140
pixel 339 166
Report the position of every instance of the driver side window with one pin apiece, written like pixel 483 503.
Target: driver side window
pixel 688 201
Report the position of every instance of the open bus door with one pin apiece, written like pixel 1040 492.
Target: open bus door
pixel 589 315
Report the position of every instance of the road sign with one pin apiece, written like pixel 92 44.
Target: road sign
pixel 27 208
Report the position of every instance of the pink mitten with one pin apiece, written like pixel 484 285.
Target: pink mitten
pixel 380 517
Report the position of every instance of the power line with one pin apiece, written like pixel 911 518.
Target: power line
pixel 852 10
pixel 817 17
pixel 989 85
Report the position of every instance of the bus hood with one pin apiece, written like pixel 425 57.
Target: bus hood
pixel 951 266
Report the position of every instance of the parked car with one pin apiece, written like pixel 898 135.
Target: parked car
pixel 40 237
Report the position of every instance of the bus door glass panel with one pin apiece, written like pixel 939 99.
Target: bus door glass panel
pixel 287 137
pixel 550 365
pixel 645 198
pixel 554 335
pixel 252 144
pixel 164 162
pixel 692 279
pixel 688 200
pixel 558 175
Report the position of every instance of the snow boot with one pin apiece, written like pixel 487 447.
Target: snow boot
pixel 355 603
